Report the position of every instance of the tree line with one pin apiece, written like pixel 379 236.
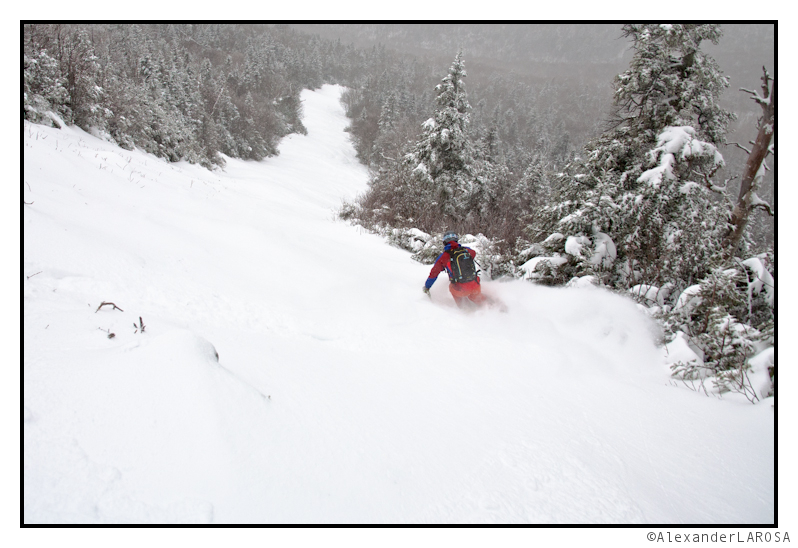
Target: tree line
pixel 197 92
pixel 181 92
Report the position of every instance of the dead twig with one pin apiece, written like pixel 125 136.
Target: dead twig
pixel 741 147
pixel 102 304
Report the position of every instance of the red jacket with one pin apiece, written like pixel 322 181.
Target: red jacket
pixel 444 262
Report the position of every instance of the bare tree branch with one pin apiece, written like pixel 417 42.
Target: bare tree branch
pixel 102 304
pixel 738 145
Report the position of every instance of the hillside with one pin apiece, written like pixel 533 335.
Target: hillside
pixel 290 370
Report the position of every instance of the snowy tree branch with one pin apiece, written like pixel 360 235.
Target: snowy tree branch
pixel 756 97
pixel 707 177
pixel 758 203
pixel 764 99
pixel 741 147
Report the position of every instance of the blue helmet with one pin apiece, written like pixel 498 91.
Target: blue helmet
pixel 450 237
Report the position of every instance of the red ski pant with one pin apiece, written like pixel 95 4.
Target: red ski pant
pixel 469 290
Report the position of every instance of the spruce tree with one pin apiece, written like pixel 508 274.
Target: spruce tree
pixel 44 89
pixel 647 181
pixel 443 159
pixel 647 185
pixel 82 71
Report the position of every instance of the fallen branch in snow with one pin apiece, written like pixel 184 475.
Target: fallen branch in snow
pixel 140 326
pixel 102 304
pixel 32 275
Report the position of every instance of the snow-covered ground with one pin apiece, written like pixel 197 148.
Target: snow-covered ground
pixel 340 394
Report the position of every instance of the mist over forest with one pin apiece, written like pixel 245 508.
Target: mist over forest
pixel 575 62
pixel 579 58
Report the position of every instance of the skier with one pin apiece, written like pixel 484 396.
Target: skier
pixel 458 261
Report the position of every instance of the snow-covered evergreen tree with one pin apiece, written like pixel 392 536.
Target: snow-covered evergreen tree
pixel 671 82
pixel 43 88
pixel 444 158
pixel 643 211
pixel 82 71
pixel 647 182
pixel 168 88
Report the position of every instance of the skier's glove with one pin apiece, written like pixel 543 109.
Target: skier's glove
pixel 426 290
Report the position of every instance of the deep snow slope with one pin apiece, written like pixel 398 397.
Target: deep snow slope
pixel 292 371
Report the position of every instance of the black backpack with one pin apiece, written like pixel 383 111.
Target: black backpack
pixel 463 267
